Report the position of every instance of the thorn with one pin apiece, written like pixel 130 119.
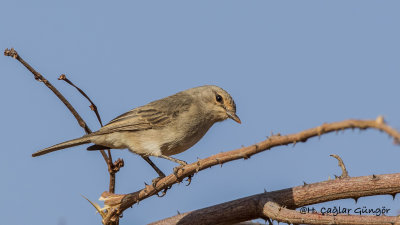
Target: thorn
pixel 198 166
pixel 304 183
pixel 265 191
pixel 96 206
pixel 145 184
pixel 294 143
pixel 356 199
pixel 374 177
pixel 179 213
pixel 380 120
pixel 244 156
pixel 394 196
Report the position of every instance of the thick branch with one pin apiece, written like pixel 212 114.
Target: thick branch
pixel 121 202
pixel 269 204
pixel 276 212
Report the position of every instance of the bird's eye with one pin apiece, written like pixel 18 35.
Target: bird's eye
pixel 218 98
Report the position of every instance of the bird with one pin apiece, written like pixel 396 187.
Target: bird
pixel 161 128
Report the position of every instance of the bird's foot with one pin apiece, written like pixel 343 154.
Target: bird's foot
pixel 176 170
pixel 181 162
pixel 155 181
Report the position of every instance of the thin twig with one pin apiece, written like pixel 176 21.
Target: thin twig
pixel 345 174
pixel 112 168
pixel 92 106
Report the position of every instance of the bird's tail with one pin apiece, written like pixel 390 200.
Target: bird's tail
pixel 66 144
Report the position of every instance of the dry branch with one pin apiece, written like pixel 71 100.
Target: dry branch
pixel 342 166
pixel 280 205
pixel 93 107
pixel 118 203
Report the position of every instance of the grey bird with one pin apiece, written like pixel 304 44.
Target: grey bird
pixel 163 127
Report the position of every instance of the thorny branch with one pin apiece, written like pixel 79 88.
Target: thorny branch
pixel 280 205
pixel 113 167
pixel 118 203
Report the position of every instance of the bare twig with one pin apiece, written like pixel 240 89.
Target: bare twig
pixel 279 205
pixel 342 166
pixel 113 168
pixel 92 106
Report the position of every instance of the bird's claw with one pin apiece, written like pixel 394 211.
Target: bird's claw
pixel 155 181
pixel 189 180
pixel 176 170
pixel 183 163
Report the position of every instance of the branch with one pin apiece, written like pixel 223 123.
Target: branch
pixel 342 166
pixel 93 107
pixel 279 205
pixel 118 203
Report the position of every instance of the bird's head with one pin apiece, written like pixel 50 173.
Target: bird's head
pixel 219 103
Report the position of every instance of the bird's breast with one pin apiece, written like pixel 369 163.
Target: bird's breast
pixel 184 135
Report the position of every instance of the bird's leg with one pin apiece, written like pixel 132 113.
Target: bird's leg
pixel 176 169
pixel 160 173
pixel 183 163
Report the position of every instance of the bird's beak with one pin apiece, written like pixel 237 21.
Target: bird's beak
pixel 233 116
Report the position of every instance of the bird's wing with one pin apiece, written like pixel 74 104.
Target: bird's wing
pixel 154 115
pixel 136 120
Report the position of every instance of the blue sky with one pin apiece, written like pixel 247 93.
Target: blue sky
pixel 289 65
